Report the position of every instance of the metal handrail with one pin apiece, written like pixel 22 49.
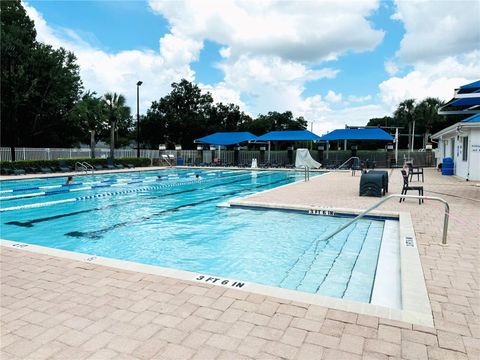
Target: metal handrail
pixel 88 166
pixel 307 172
pixel 352 157
pixel 79 164
pixel 84 166
pixel 361 215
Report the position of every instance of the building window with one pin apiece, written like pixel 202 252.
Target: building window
pixel 465 148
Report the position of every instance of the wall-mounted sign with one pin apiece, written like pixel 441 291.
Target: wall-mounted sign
pixel 409 241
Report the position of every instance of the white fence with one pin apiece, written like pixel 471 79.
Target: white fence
pixel 190 157
pixel 59 153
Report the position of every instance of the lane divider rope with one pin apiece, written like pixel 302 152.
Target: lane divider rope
pixel 94 196
pixel 94 185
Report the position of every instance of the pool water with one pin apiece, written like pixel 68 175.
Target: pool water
pixel 170 218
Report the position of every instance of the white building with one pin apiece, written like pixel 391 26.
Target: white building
pixel 461 142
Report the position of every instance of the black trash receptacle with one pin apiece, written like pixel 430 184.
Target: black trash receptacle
pixel 384 178
pixel 371 184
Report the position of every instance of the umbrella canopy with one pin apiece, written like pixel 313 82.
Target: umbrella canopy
pixel 289 135
pixel 357 134
pixel 226 138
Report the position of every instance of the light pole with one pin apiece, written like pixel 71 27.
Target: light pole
pixel 138 118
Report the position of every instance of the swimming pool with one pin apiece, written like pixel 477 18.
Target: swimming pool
pixel 172 219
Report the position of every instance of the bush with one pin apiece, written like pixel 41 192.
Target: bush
pixel 25 164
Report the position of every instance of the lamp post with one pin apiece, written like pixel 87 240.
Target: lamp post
pixel 138 118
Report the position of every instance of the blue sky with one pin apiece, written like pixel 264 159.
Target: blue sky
pixel 334 63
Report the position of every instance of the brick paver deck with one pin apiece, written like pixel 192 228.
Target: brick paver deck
pixel 56 308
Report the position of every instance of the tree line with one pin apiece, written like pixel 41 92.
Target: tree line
pixel 415 117
pixel 44 103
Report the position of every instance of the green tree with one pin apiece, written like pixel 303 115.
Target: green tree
pixel 89 113
pixel 16 45
pixel 183 114
pixel 427 118
pixel 227 117
pixel 404 115
pixel 39 85
pixel 275 121
pixel 117 113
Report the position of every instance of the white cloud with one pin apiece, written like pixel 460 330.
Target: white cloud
pixel 359 99
pixel 391 67
pixel 432 80
pixel 102 71
pixel 292 30
pixel 437 29
pixel 332 97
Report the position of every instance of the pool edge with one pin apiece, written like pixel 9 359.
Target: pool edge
pixel 411 314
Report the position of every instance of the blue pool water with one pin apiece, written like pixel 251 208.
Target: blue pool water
pixel 170 218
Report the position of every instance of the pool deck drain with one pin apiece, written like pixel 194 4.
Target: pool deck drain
pixel 53 307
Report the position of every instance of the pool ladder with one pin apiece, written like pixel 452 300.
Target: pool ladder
pixel 84 166
pixel 361 215
pixel 307 172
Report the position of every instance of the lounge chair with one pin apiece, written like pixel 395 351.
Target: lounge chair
pixel 110 164
pixel 63 167
pixel 98 167
pixel 407 187
pixel 12 171
pixel 129 166
pixel 45 170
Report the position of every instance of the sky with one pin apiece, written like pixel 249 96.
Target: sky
pixel 334 62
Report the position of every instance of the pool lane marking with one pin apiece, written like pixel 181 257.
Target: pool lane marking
pixel 30 222
pixel 96 233
pixel 80 198
pixel 99 185
pixel 119 180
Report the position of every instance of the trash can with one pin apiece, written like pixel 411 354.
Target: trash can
pixel 180 161
pixel 384 178
pixel 371 184
pixel 447 166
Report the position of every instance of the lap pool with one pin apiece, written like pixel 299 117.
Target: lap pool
pixel 171 218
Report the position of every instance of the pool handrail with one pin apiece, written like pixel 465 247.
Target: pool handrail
pixel 346 161
pixel 307 172
pixel 362 214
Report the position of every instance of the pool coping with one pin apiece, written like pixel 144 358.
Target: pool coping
pixel 416 305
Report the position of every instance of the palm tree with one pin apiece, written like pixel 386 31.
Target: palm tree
pixel 90 114
pixel 116 111
pixel 405 114
pixel 427 114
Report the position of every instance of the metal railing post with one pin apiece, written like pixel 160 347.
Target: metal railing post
pixel 445 223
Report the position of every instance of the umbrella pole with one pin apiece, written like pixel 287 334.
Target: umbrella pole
pixel 269 151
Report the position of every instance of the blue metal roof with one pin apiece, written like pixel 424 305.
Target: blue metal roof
pixel 226 138
pixel 472 119
pixel 358 134
pixel 289 135
pixel 466 101
pixel 473 85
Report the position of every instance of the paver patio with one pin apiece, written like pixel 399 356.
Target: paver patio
pixel 57 308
